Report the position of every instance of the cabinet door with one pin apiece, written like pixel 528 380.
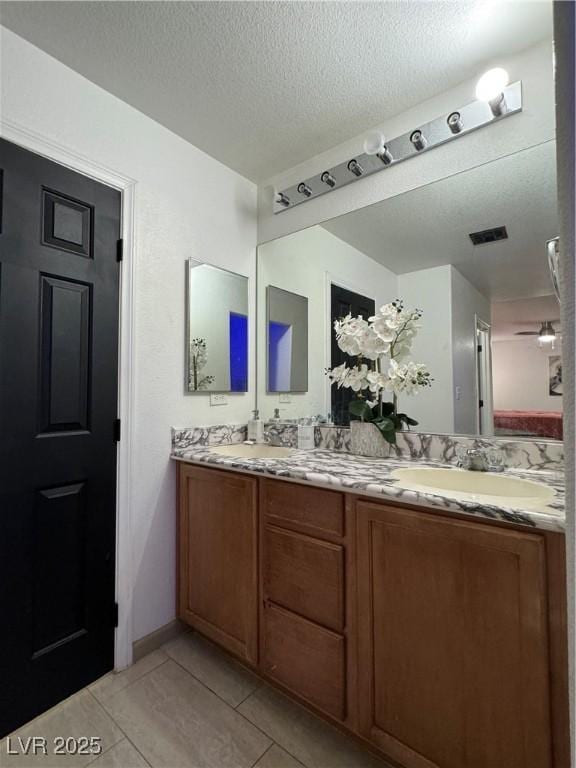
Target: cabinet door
pixel 453 647
pixel 218 570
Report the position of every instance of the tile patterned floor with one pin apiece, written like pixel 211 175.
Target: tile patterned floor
pixel 188 705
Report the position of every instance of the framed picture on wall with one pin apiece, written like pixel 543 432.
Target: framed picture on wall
pixel 555 376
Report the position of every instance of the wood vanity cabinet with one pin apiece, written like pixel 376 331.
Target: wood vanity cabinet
pixel 217 551
pixel 453 641
pixel 437 639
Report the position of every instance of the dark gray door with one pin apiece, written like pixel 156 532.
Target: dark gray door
pixel 59 282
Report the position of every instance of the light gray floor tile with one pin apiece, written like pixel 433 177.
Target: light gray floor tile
pixel 176 722
pixel 113 682
pixel 122 755
pixel 212 667
pixel 80 715
pixel 315 743
pixel 276 757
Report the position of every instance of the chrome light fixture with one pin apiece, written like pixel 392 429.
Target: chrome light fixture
pixel 418 140
pixel 327 178
pixel 454 122
pixel 547 334
pixel 355 168
pixel 490 88
pixel 380 153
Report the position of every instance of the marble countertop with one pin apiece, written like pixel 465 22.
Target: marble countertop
pixel 372 477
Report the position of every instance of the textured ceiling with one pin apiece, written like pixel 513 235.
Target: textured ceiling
pixel 263 86
pixel 429 226
pixel 509 317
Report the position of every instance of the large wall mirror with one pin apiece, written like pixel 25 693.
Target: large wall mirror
pixel 470 252
pixel 217 330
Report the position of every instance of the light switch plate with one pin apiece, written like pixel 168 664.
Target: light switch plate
pixel 458 393
pixel 218 399
pixel 284 398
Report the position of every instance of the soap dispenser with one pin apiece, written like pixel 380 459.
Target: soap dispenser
pixel 256 428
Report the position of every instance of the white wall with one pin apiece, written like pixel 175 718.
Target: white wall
pixel 446 343
pixel 187 205
pixel 430 290
pixel 467 304
pixel 520 375
pixel 305 263
pixel 533 126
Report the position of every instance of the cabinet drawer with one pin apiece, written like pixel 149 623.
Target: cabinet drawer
pixel 312 510
pixel 304 575
pixel 304 657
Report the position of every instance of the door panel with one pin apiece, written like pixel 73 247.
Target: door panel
pixel 64 354
pixel 59 565
pixel 59 293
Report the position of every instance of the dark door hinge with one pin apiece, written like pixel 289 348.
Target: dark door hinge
pixel 481 404
pixel 120 250
pixel 117 429
pixel 115 615
pixel 479 347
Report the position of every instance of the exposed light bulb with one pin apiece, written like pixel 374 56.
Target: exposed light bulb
pixel 374 143
pixel 491 84
pixel 490 88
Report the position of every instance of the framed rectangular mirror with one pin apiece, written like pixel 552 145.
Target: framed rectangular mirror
pixel 217 330
pixel 470 251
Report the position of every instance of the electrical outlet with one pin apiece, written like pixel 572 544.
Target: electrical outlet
pixel 284 398
pixel 218 399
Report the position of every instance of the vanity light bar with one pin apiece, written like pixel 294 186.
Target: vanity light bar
pixel 415 142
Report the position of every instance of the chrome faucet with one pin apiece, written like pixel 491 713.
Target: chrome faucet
pixel 480 460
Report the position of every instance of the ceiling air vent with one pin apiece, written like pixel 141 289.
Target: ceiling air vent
pixel 488 236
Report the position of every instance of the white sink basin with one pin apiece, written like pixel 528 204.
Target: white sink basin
pixel 480 487
pixel 259 451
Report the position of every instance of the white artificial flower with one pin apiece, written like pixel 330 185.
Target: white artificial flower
pixel 388 334
pixel 407 378
pixel 338 374
pixel 354 377
pixel 376 381
pixel 357 379
pixel 349 334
